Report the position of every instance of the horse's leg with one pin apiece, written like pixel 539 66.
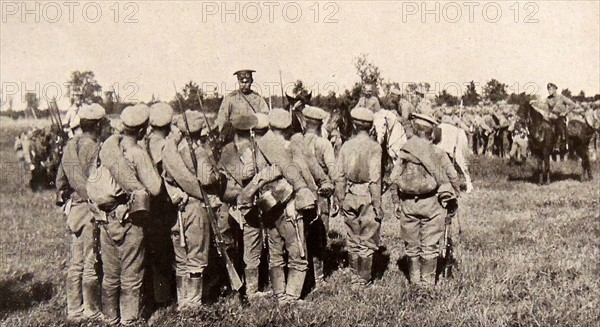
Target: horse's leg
pixel 586 172
pixel 540 170
pixel 547 168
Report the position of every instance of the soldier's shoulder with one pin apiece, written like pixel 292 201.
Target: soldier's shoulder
pixel 231 94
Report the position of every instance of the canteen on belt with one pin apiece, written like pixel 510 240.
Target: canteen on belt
pixel 277 192
pixel 139 204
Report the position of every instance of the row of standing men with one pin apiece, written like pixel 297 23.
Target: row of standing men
pixel 269 185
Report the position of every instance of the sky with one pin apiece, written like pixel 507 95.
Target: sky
pixel 142 47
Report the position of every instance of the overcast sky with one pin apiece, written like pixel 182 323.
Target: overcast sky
pixel 178 41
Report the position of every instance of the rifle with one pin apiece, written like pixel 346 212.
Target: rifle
pixel 234 279
pixel 263 230
pixel 447 245
pixel 57 112
pixel 282 96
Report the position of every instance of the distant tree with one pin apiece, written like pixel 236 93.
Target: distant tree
pixel 368 72
pixel 446 98
pixel 567 93
pixel 471 97
pixel 580 97
pixel 494 91
pixel 85 84
pixel 299 88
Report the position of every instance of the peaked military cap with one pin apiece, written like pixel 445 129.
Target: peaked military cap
pixel 195 120
pixel 92 111
pixel 314 113
pixel 134 116
pixel 552 85
pixel 280 118
pixel 362 114
pixel 161 114
pixel 423 119
pixel 244 122
pixel 244 75
pixel 262 120
pixel 396 91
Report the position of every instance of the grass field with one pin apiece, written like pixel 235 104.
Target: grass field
pixel 528 256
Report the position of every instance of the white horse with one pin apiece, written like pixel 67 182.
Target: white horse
pixel 455 143
pixel 388 128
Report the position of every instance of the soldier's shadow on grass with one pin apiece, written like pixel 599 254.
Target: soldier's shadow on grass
pixel 381 259
pixel 22 292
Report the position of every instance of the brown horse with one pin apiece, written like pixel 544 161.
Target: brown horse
pixel 542 139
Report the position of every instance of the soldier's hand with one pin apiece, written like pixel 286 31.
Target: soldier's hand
pixel 398 210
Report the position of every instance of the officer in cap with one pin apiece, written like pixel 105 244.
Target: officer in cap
pixel 158 233
pixel 241 101
pixel 360 162
pixel 368 100
pixel 122 233
pixel 191 232
pixel 424 186
pixel 559 107
pixel 83 284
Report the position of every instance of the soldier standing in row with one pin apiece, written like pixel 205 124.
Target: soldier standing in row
pixel 191 233
pixel 285 196
pixel 241 101
pixel 158 230
pixel 80 153
pixel 122 234
pixel 423 184
pixel 360 161
pixel 322 150
pixel 238 161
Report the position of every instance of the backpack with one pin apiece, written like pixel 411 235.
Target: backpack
pixel 102 188
pixel 415 179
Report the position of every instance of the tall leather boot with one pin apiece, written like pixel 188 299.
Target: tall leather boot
pixel 354 261
pixel 318 268
pixel 414 270
pixel 110 306
pixel 295 282
pixel 428 270
pixel 251 282
pixel 180 283
pixel 74 299
pixel 194 290
pixel 131 304
pixel 366 265
pixel 277 277
pixel 92 299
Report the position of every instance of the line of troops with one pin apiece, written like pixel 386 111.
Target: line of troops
pixel 272 189
pixel 270 185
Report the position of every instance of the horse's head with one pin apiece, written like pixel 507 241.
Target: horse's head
pixel 299 101
pixel 340 119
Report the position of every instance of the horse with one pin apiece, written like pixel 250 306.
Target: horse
pixel 295 106
pixel 542 139
pixel 338 128
pixel 454 141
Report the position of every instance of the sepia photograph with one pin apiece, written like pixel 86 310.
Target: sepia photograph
pixel 299 163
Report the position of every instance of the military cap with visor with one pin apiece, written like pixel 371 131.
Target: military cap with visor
pixel 195 122
pixel 424 120
pixel 244 122
pixel 92 111
pixel 161 114
pixel 315 113
pixel 280 118
pixel 244 75
pixel 362 115
pixel 135 116
pixel 262 120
